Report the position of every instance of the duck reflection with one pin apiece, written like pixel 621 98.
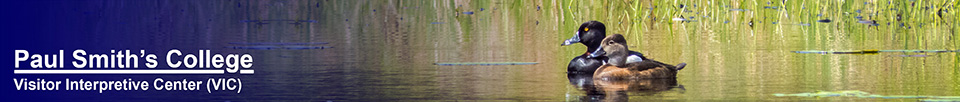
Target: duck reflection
pixel 617 90
pixel 611 70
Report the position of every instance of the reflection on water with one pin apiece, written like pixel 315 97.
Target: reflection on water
pixel 386 50
pixel 616 90
pixel 735 50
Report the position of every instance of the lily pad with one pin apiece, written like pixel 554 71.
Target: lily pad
pixel 872 51
pixel 861 94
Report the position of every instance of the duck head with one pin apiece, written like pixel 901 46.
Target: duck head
pixel 614 47
pixel 590 34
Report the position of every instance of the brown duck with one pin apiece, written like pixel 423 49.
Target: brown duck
pixel 621 63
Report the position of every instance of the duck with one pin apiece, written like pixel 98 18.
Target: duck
pixel 619 65
pixel 589 34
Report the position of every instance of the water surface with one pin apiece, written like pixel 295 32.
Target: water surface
pixel 735 50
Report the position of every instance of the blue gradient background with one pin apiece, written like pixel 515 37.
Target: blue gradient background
pixel 43 27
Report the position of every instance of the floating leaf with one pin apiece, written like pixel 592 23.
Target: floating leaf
pixel 941 100
pixel 873 51
pixel 861 94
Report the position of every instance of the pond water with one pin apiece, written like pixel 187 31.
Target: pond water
pixel 734 50
pixel 741 50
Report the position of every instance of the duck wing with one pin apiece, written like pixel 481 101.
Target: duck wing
pixel 651 69
pixel 648 64
pixel 655 73
pixel 640 66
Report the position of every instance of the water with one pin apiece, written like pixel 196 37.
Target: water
pixel 380 57
pixel 386 50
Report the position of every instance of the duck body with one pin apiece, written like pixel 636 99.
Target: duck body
pixel 623 64
pixel 584 65
pixel 589 34
pixel 648 69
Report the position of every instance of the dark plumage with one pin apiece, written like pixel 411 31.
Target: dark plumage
pixel 589 34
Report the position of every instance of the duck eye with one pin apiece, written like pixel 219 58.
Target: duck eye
pixel 586 29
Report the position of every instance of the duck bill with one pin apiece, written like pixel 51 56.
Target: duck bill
pixel 597 53
pixel 572 40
